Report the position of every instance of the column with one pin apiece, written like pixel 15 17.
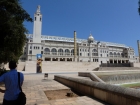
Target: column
pixel 112 61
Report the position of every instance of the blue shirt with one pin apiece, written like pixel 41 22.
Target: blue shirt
pixel 10 80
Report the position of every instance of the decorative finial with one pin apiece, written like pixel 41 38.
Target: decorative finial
pixel 38 8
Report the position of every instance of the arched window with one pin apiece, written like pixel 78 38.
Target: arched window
pixel 111 54
pixel 47 51
pixel 94 50
pixel 118 54
pixel 67 52
pixel 72 52
pixel 60 52
pixel 115 55
pixel 122 54
pixel 95 53
pixel 54 51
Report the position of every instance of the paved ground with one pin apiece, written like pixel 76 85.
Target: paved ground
pixel 35 85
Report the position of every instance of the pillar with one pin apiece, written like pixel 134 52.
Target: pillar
pixel 75 47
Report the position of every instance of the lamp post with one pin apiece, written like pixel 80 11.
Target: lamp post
pixel 90 40
pixel 97 50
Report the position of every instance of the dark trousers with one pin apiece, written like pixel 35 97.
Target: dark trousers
pixel 6 102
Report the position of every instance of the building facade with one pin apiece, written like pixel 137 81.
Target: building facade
pixel 55 48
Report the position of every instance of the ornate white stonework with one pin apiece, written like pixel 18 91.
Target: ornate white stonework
pixel 66 39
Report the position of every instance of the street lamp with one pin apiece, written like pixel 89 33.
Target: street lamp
pixel 90 40
pixel 97 49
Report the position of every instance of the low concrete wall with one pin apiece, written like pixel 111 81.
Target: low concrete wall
pixel 92 76
pixel 136 64
pixel 112 79
pixel 48 66
pixel 114 95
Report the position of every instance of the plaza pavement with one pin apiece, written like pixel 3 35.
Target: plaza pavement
pixel 34 86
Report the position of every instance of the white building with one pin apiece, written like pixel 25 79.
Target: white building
pixel 54 48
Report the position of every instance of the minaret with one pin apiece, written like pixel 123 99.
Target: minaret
pixel 37 26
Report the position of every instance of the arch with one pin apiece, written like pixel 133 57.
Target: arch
pixel 94 50
pixel 60 50
pixel 53 50
pixel 115 54
pixel 47 50
pixel 72 51
pixel 110 53
pixel 122 54
pixel 118 54
pixel 67 52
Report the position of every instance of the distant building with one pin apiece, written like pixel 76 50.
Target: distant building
pixel 136 59
pixel 54 48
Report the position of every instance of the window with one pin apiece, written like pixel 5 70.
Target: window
pixel 80 54
pixel 24 53
pixel 101 55
pixel 97 60
pixel 30 52
pixel 30 47
pixel 38 47
pixel 88 54
pixel 42 47
pixel 41 52
pixel 40 19
pixel 101 51
pixel 35 18
pixel 34 47
pixel 107 55
pixel 25 47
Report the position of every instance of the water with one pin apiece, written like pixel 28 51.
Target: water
pixel 120 79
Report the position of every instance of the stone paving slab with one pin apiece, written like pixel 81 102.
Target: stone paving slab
pixel 35 85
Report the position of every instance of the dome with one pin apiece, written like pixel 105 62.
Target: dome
pixel 90 39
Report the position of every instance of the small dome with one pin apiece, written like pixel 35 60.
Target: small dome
pixel 90 39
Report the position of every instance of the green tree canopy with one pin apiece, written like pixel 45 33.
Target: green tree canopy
pixel 12 30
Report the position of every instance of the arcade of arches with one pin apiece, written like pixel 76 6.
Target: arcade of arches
pixel 118 61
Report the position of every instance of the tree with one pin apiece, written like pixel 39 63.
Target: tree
pixel 12 30
pixel 139 7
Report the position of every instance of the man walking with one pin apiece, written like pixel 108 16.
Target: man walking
pixel 10 79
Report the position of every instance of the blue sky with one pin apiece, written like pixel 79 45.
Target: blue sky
pixel 115 21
